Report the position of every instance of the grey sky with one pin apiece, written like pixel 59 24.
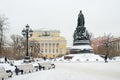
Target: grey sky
pixel 101 16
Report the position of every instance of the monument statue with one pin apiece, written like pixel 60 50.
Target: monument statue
pixel 81 21
pixel 81 38
pixel 80 34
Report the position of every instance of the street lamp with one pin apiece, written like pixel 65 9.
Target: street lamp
pixel 26 32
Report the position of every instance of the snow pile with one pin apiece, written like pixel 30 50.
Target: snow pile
pixel 117 58
pixel 18 62
pixel 82 47
pixel 2 60
pixel 60 59
pixel 81 57
pixel 38 59
pixel 7 66
pixel 86 57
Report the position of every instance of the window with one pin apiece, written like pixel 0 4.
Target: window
pixel 45 50
pixel 45 45
pixel 49 50
pixel 56 50
pixel 53 51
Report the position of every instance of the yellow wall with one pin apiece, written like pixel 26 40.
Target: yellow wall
pixel 41 33
pixel 51 45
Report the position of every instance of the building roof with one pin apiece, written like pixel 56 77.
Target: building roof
pixel 49 38
pixel 45 29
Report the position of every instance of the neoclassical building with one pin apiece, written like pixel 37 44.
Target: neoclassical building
pixel 115 43
pixel 48 43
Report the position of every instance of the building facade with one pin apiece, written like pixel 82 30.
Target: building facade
pixel 48 43
pixel 103 46
pixel 115 44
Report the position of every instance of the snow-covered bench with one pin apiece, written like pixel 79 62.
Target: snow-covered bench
pixel 36 66
pixel 45 65
pixel 52 65
pixel 4 74
pixel 26 68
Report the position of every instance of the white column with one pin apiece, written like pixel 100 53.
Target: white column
pixel 40 47
pixel 51 47
pixel 43 47
pixel 48 47
pixel 55 48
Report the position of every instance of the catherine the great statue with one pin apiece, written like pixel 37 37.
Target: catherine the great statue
pixel 81 21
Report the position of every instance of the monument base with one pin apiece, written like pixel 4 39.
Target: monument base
pixel 81 42
pixel 27 59
pixel 80 49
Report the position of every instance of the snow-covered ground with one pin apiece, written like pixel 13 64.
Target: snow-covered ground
pixel 76 71
pixel 80 67
pixel 117 58
pixel 82 58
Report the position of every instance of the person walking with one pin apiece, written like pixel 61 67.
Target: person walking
pixel 106 56
pixel 5 59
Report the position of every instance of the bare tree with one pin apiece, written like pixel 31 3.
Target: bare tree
pixel 101 45
pixel 90 37
pixel 17 45
pixel 3 24
pixel 34 48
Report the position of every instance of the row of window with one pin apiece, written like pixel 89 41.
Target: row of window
pixel 48 48
pixel 116 45
pixel 46 44
pixel 52 51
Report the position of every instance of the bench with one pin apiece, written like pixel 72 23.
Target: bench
pixel 25 68
pixel 36 66
pixel 53 66
pixel 45 65
pixel 17 70
pixel 4 74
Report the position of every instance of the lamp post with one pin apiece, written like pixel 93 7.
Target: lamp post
pixel 27 32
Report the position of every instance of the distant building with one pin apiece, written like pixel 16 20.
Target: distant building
pixel 48 43
pixel 99 46
pixel 115 44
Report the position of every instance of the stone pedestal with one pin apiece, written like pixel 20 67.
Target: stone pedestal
pixel 27 59
pixel 81 42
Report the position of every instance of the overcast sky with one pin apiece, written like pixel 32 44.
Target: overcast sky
pixel 101 16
